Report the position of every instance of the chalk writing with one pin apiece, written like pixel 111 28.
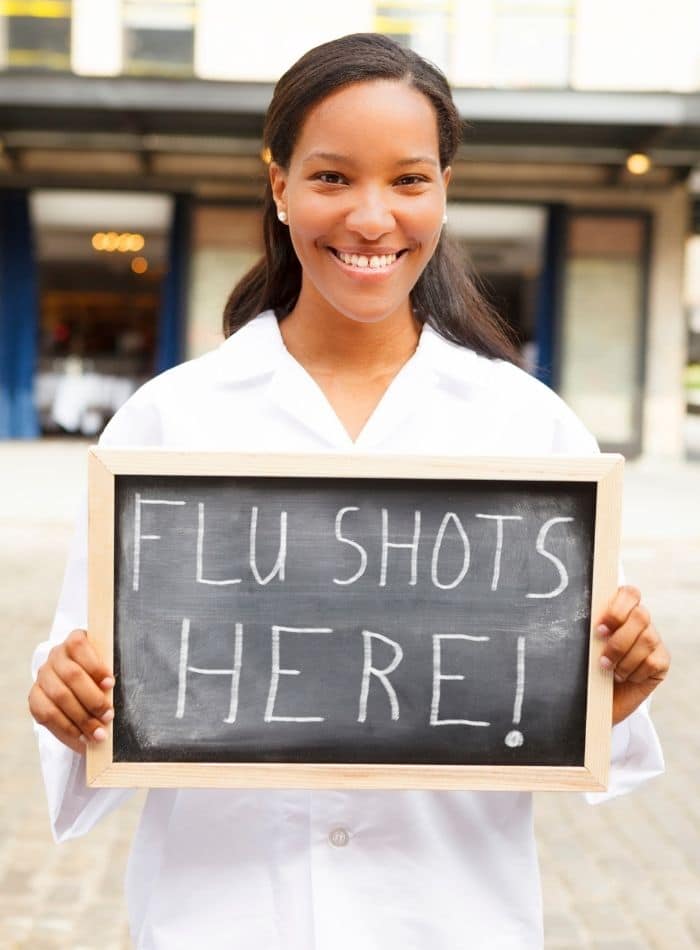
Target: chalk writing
pixel 278 568
pixel 138 537
pixel 515 738
pixel 354 544
pixel 184 669
pixel 369 669
pixel 563 575
pixel 449 516
pixel 352 621
pixel 450 522
pixel 412 546
pixel 277 671
pixel 439 677
pixel 499 519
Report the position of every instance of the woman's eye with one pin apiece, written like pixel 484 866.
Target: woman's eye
pixel 330 178
pixel 411 180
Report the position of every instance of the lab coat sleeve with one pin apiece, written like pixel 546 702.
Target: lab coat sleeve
pixel 636 756
pixel 73 807
pixel 635 748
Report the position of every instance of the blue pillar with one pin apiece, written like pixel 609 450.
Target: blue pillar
pixel 170 348
pixel 19 317
pixel 549 296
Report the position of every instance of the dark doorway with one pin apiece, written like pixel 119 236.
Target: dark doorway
pixel 101 259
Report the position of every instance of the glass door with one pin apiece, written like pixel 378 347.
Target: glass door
pixel 602 328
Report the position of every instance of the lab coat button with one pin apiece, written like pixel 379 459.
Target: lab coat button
pixel 339 837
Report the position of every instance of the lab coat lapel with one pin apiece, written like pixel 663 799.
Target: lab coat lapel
pixel 404 400
pixel 297 395
pixel 259 350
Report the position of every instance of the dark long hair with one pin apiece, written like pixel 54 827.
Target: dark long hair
pixel 444 296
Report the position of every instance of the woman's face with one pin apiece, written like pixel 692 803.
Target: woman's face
pixel 364 197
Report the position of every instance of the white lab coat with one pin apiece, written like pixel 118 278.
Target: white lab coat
pixel 330 870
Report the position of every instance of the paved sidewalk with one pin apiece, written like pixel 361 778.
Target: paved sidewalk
pixel 623 876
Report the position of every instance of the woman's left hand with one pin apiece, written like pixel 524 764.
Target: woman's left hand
pixel 633 650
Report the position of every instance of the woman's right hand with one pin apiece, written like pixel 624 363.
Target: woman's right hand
pixel 71 693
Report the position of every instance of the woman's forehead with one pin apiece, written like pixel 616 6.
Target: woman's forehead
pixel 378 117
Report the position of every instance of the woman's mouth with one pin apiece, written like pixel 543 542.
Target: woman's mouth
pixel 368 263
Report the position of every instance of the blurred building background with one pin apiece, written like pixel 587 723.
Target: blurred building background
pixel 131 175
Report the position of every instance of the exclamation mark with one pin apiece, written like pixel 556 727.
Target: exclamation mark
pixel 515 737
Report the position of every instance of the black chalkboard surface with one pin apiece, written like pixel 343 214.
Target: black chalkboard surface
pixel 268 614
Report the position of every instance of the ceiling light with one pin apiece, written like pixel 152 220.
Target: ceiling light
pixel 638 163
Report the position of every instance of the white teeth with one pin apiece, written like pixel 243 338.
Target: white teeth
pixel 375 262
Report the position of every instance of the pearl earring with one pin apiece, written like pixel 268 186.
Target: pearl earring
pixel 444 218
pixel 282 216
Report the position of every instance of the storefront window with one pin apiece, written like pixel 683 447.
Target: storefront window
pixel 503 245
pixel 602 330
pixel 159 37
pixel 226 242
pixel 38 35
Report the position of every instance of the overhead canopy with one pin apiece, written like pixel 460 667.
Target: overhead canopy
pixel 181 133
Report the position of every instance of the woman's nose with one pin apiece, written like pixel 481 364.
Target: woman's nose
pixel 370 216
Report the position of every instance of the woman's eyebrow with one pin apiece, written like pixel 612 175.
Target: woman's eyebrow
pixel 417 160
pixel 347 160
pixel 328 157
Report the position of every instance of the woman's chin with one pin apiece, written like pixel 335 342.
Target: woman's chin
pixel 369 316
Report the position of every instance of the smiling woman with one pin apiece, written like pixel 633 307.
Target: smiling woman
pixel 361 133
pixel 358 331
pixel 364 222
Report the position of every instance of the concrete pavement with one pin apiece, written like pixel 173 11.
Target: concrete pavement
pixel 622 876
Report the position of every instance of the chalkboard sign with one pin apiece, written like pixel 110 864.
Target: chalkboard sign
pixel 334 621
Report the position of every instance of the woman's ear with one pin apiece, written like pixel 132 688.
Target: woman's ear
pixel 278 182
pixel 446 175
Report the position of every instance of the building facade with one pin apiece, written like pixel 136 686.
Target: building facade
pixel 131 175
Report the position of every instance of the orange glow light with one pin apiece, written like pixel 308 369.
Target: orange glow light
pixel 118 242
pixel 139 265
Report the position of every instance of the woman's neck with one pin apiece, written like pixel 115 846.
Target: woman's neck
pixel 325 341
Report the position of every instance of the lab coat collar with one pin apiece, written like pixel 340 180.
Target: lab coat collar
pixel 259 350
pixel 452 363
pixel 253 351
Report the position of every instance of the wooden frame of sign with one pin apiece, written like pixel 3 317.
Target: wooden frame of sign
pixel 603 472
